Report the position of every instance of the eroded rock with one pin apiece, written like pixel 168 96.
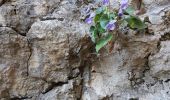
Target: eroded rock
pixel 14 56
pixel 21 14
pixel 160 62
pixel 50 50
pixel 54 60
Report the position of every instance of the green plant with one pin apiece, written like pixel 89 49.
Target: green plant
pixel 106 22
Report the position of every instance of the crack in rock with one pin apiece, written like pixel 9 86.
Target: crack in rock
pixel 53 85
pixel 20 98
pixel 29 46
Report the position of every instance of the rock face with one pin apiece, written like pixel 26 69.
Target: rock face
pixel 46 54
pixel 50 49
pixel 14 57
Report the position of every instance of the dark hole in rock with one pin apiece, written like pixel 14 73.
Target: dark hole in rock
pixel 165 37
pixel 167 80
pixel 60 19
pixel 134 99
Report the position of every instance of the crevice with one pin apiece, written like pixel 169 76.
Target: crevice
pixel 108 97
pixel 22 34
pixel 53 85
pixel 47 18
pixel 165 37
pixel 82 81
pixel 29 57
pixel 71 77
pixel 20 98
pixel 17 32
pixel 134 99
pixel 168 80
pixel 159 46
pixel 82 61
pixel 146 67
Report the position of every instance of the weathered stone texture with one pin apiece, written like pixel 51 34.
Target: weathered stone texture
pixel 46 54
pixel 14 56
pixel 138 69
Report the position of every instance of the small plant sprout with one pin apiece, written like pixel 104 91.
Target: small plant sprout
pixel 106 22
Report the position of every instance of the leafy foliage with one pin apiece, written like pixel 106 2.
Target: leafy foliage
pixel 106 22
pixel 103 41
pixel 130 10
pixel 135 22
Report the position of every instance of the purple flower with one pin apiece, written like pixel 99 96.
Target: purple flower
pixel 120 13
pixel 89 20
pixel 123 6
pixel 111 25
pixel 105 2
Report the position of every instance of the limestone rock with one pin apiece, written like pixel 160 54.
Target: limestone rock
pixel 14 56
pixel 160 62
pixel 155 10
pixel 50 50
pixel 54 58
pixel 59 93
pixel 14 52
pixel 20 14
pixel 115 74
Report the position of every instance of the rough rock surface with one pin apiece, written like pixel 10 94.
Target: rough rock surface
pixel 138 69
pixel 14 57
pixel 45 54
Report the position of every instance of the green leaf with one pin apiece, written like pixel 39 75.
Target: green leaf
pixel 92 28
pixel 112 15
pixel 102 42
pixel 97 18
pixel 100 29
pixel 104 19
pixel 130 10
pixel 99 10
pixel 135 23
pixel 93 32
pixel 94 36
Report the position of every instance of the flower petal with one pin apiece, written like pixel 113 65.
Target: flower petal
pixel 120 13
pixel 88 20
pixel 111 25
pixel 124 4
pixel 105 2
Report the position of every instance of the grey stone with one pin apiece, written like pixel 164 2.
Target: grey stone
pixel 54 58
pixel 160 62
pixel 59 93
pixel 49 46
pixel 14 56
